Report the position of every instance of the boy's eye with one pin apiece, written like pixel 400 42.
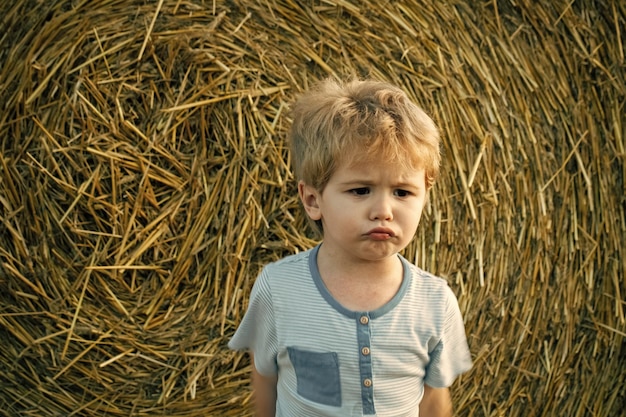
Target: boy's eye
pixel 360 191
pixel 402 193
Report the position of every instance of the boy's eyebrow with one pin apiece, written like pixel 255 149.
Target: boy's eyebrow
pixel 364 182
pixel 357 181
pixel 407 185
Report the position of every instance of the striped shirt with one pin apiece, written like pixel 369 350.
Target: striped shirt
pixel 332 361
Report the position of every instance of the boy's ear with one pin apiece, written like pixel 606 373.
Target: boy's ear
pixel 310 200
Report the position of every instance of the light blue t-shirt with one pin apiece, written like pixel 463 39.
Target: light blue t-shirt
pixel 332 361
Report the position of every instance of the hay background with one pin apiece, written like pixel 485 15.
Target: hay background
pixel 144 181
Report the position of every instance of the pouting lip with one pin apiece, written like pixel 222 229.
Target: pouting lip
pixel 381 231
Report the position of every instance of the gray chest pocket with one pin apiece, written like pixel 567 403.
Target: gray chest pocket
pixel 317 374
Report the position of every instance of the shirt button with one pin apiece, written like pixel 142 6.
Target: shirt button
pixel 364 320
pixel 367 382
pixel 365 351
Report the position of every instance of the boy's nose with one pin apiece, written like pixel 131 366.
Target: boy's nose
pixel 382 209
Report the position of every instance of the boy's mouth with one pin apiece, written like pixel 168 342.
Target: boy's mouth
pixel 380 233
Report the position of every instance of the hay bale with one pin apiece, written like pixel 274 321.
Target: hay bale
pixel 144 181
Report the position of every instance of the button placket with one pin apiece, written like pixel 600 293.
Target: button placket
pixel 363 322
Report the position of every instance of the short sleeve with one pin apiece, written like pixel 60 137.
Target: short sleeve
pixel 450 356
pixel 257 330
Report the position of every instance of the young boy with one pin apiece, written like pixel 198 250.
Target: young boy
pixel 350 327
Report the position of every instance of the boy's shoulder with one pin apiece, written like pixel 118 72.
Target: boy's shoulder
pixel 426 281
pixel 425 275
pixel 289 260
pixel 285 275
pixel 293 265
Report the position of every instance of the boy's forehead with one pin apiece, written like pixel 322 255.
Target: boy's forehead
pixel 401 163
pixel 371 167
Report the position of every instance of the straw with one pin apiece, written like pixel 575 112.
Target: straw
pixel 145 181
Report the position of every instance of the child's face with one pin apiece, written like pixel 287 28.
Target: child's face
pixel 369 211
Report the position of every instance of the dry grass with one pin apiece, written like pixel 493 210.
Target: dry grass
pixel 144 181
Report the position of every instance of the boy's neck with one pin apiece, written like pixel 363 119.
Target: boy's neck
pixel 360 286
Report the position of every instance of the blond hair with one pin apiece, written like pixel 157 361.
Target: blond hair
pixel 360 121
